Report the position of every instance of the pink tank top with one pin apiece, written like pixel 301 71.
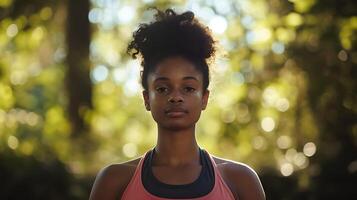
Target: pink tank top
pixel 136 190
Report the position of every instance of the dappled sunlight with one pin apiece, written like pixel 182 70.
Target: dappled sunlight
pixel 99 73
pixel 116 79
pixel 218 24
pixel 284 142
pixel 130 150
pixel 259 143
pixel 282 92
pixel 268 124
pixel 12 30
pixel 309 149
pixel 286 169
pixel 13 142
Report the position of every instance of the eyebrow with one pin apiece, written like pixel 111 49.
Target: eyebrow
pixel 184 78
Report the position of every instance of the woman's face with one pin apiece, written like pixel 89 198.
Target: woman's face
pixel 175 94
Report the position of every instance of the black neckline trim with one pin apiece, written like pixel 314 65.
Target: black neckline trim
pixel 172 186
pixel 200 187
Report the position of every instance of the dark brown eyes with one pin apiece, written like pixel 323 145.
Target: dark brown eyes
pixel 164 90
pixel 189 89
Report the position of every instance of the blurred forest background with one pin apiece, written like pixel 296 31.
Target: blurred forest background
pixel 283 93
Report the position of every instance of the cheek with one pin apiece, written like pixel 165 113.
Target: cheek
pixel 156 100
pixel 198 96
pixel 153 97
pixel 196 100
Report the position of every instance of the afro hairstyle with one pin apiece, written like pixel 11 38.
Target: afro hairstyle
pixel 172 34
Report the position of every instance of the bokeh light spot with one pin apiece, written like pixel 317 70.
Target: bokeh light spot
pixel 126 14
pixel 18 77
pixel 286 169
pixel 258 35
pixel 300 160
pixel 32 119
pixel 270 96
pixel 218 24
pixel 268 124
pixel 95 15
pixel 46 13
pixel 12 30
pixel 259 143
pixel 100 73
pixel 294 19
pixel 283 142
pixel 130 150
pixel 278 47
pixel 309 149
pixel 342 55
pixel 228 116
pixel 282 104
pixel 12 142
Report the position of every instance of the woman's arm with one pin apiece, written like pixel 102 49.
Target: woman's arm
pixel 246 183
pixel 111 182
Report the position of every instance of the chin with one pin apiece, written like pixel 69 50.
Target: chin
pixel 176 126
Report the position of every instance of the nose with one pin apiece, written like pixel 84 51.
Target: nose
pixel 175 97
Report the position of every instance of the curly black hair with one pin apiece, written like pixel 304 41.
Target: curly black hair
pixel 173 34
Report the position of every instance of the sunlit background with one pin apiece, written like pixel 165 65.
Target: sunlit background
pixel 283 93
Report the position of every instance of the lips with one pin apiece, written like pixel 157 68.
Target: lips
pixel 176 112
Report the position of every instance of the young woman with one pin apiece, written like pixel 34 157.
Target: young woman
pixel 174 50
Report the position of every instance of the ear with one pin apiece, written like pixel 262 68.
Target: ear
pixel 146 99
pixel 205 99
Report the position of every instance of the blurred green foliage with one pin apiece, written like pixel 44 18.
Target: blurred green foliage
pixel 283 95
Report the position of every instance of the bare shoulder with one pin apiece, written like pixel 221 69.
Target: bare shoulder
pixel 231 166
pixel 112 180
pixel 241 178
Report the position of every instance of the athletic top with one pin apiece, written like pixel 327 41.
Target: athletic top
pixel 208 186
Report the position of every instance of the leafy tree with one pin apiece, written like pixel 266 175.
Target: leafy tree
pixel 282 95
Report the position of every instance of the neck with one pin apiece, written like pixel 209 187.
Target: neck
pixel 176 148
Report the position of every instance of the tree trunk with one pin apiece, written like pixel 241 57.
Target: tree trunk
pixel 78 81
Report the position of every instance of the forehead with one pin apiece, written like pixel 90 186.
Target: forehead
pixel 175 68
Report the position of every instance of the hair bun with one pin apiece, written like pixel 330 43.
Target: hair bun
pixel 187 16
pixel 172 34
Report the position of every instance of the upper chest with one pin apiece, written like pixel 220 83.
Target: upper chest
pixel 188 174
pixel 177 175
